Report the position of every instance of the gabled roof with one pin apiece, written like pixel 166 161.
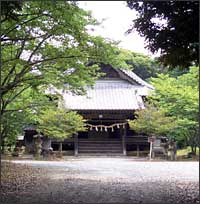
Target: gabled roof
pixel 106 95
pixel 135 77
pixel 124 93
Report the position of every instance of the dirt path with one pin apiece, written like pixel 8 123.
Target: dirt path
pixel 110 180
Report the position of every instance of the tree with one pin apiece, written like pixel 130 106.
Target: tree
pixel 142 65
pixel 59 123
pixel 21 112
pixel 42 110
pixel 9 8
pixel 48 44
pixel 152 121
pixel 171 27
pixel 178 97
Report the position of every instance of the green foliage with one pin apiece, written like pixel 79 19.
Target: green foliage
pixel 9 8
pixel 178 97
pixel 12 125
pixel 171 27
pixel 40 109
pixel 152 121
pixel 140 64
pixel 45 43
pixel 22 111
pixel 59 123
pixel 176 116
pixel 49 44
pixel 185 151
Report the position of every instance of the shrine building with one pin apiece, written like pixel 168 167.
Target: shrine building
pixel 107 107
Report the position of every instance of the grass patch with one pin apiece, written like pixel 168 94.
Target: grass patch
pixel 185 151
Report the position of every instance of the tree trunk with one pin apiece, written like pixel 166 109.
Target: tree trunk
pixel 2 145
pixel 172 155
pixel 3 136
pixel 196 143
pixel 172 150
pixel 60 150
pixel 195 149
pixel 192 148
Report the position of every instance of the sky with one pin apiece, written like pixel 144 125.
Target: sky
pixel 118 19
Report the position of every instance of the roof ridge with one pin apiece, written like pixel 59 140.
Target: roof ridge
pixel 135 77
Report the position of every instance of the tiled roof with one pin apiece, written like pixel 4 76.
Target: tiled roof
pixel 30 127
pixel 124 93
pixel 108 95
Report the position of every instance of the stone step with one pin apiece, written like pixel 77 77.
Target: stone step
pixel 99 144
pixel 101 155
pixel 99 148
pixel 102 150
pixel 98 141
pixel 99 151
pixel 93 143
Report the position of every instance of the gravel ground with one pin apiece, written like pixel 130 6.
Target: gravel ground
pixel 105 180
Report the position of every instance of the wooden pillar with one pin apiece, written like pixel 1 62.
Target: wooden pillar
pixel 150 154
pixel 60 147
pixel 124 141
pixel 50 143
pixel 138 150
pixel 76 144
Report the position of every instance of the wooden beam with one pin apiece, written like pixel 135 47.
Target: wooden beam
pixel 107 114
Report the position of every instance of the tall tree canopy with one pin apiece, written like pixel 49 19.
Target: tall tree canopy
pixel 152 122
pixel 59 123
pixel 9 8
pixel 142 65
pixel 178 97
pixel 47 43
pixel 22 112
pixel 174 109
pixel 171 27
